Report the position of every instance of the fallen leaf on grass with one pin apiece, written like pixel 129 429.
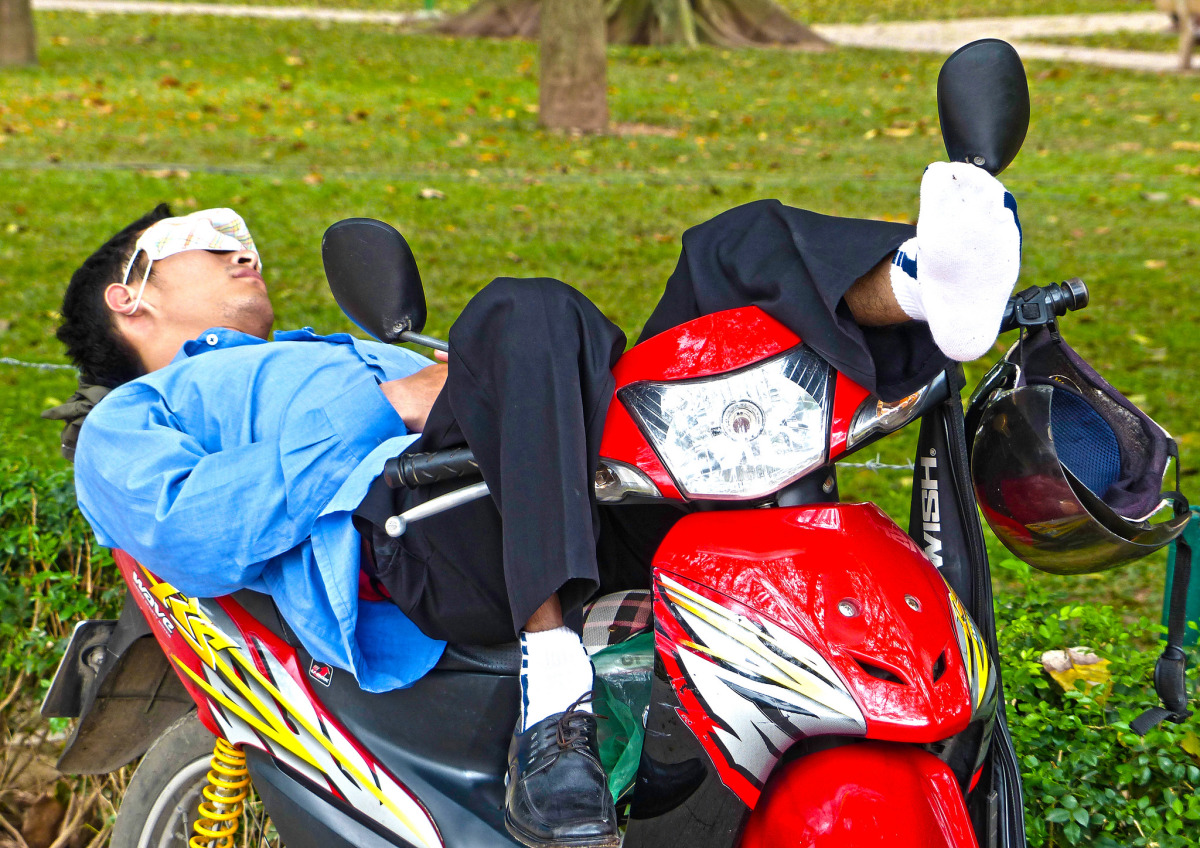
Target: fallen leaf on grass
pixel 313 179
pixel 167 173
pixel 1075 664
pixel 1191 744
pixel 42 820
pixel 1156 196
pixel 1194 202
pixel 1193 146
pixel 431 194
pixel 1156 264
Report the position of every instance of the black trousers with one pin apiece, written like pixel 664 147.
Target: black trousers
pixel 528 387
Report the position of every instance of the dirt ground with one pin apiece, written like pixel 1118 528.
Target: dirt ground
pixel 40 807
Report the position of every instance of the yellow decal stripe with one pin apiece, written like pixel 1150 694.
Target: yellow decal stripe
pixel 285 740
pixel 328 745
pixel 789 679
pixel 207 641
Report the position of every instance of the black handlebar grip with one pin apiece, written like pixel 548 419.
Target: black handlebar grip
pixel 1039 305
pixel 420 469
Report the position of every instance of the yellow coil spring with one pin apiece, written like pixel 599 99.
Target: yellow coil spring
pixel 221 809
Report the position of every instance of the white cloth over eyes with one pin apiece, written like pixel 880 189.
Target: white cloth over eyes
pixel 959 271
pixel 208 229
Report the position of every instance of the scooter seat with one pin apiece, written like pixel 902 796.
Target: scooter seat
pixel 608 620
pixel 489 659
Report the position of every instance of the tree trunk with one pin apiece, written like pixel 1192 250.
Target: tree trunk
pixel 573 90
pixel 1189 23
pixel 17 43
pixel 727 23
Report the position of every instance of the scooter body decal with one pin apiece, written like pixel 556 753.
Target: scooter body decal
pixel 272 709
pixel 747 687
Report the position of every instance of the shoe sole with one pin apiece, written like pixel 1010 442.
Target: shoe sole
pixel 530 841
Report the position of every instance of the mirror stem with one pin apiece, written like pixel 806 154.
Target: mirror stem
pixel 427 341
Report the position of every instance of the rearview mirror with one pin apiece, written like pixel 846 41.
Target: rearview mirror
pixel 374 277
pixel 983 104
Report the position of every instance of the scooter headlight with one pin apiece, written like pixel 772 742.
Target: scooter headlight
pixel 739 435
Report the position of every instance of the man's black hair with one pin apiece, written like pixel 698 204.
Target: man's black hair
pixel 88 328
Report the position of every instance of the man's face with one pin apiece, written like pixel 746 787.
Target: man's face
pixel 195 290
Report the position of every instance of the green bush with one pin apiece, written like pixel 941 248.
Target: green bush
pixel 51 576
pixel 1088 779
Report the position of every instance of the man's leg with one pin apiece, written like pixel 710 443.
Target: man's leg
pixel 798 266
pixel 528 388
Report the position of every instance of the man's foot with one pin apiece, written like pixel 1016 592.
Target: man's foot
pixel 557 792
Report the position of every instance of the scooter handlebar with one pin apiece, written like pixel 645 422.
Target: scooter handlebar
pixel 1037 306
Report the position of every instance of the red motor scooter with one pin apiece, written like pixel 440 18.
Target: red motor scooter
pixel 821 676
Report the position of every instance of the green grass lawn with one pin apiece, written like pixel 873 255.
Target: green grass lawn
pixel 298 125
pixel 1159 42
pixel 812 11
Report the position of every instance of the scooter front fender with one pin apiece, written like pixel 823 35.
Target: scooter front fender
pixel 861 796
pixel 852 587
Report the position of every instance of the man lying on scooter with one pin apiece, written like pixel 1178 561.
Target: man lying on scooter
pixel 223 461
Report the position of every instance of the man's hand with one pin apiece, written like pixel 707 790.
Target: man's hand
pixel 413 396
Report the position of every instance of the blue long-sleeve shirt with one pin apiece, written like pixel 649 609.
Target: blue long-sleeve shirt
pixel 240 464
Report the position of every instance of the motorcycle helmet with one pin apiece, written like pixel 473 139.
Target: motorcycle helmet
pixel 1067 471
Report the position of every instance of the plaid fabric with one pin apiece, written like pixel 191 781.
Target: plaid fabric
pixel 209 229
pixel 616 618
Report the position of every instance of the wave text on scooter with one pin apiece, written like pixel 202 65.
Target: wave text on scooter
pixel 152 603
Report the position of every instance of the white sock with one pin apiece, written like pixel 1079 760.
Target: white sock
pixel 555 672
pixel 960 269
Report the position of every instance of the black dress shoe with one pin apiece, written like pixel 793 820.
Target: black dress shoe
pixel 557 791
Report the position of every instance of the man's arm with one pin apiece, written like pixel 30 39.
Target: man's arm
pixel 205 521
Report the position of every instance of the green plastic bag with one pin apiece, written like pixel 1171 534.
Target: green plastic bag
pixel 623 675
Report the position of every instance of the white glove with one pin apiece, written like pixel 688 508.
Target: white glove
pixel 959 271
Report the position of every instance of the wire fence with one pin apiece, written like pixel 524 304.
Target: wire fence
pixel 41 366
pixel 871 464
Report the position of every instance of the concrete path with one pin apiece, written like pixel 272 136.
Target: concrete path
pixel 224 10
pixel 939 37
pixel 945 36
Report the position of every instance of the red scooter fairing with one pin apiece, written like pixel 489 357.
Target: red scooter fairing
pixel 704 347
pixel 840 626
pixel 712 344
pixel 862 796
